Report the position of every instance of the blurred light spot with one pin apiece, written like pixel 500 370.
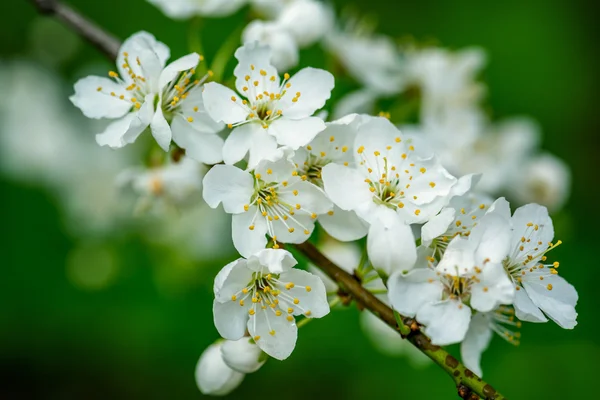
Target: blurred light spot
pixel 91 267
pixel 51 42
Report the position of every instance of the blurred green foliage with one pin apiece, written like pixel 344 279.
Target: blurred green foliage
pixel 141 336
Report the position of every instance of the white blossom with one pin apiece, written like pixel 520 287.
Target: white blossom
pixel 262 294
pixel 543 179
pixel 146 93
pixel 243 355
pixel 469 276
pixel 272 200
pixel 176 184
pixel 446 79
pixel 182 9
pixel 373 60
pixel 333 145
pixel 274 112
pixel 540 291
pixel 213 376
pixel 389 187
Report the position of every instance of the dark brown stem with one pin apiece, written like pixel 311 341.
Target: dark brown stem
pixel 99 38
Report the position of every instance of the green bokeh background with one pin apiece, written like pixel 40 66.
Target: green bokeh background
pixel 141 336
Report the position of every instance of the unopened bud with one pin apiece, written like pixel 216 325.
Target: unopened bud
pixel 243 355
pixel 213 376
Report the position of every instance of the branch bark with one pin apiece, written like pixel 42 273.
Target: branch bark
pixel 469 385
pixel 98 37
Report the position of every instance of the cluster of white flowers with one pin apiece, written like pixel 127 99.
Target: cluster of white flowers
pixel 438 248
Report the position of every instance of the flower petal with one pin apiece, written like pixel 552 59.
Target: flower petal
pixel 93 97
pixel 493 288
pixel 342 225
pixel 408 292
pixel 242 355
pixel 262 146
pixel 275 260
pixel 437 225
pixel 176 67
pixel 219 105
pixel 310 292
pixel 345 186
pixel 224 273
pixel 555 297
pixel 253 58
pixel 314 87
pixel 446 322
pixel 275 335
pixel 248 241
pixel 193 106
pixel 296 133
pixel 230 319
pixel 233 278
pixel 525 310
pixel 213 376
pixel 229 185
pixel 200 146
pixel 310 197
pixel 146 57
pixel 476 341
pixel 161 130
pixel 391 248
pixel 121 132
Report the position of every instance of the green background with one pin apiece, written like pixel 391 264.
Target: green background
pixel 141 336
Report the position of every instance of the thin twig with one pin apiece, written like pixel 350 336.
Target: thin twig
pixel 98 37
pixel 469 385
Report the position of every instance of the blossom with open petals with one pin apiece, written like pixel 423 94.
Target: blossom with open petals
pixel 540 291
pixel 389 187
pixel 146 93
pixel 333 145
pixel 262 294
pixel 268 112
pixel 273 199
pixel 468 277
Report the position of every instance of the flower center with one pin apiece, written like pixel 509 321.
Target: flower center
pixel 272 296
pixel 262 104
pixel 311 169
pixel 527 253
pixel 267 202
pixel 457 287
pixel 390 184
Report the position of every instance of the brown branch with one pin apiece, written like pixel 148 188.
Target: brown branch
pixel 98 37
pixel 469 385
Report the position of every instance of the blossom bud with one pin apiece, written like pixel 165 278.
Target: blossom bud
pixel 243 355
pixel 213 376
